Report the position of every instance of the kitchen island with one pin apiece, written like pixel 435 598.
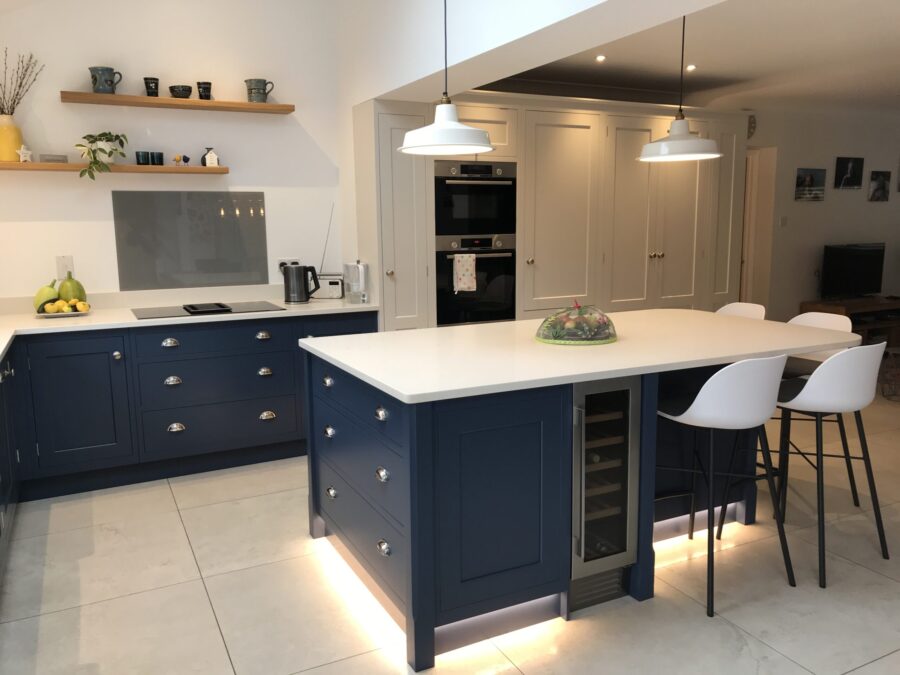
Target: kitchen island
pixel 441 460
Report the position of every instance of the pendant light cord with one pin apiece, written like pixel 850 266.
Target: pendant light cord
pixel 446 98
pixel 681 80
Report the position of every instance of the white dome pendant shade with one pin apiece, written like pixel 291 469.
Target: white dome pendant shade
pixel 446 136
pixel 680 146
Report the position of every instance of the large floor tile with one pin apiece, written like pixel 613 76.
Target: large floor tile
pixel 481 658
pixel 855 620
pixel 68 569
pixel 887 665
pixel 668 634
pixel 297 614
pixel 87 509
pixel 170 630
pixel 856 538
pixel 239 534
pixel 680 548
pixel 242 481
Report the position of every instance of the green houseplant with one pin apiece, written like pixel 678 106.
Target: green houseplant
pixel 100 150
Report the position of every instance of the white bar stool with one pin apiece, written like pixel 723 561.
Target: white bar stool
pixel 739 397
pixel 845 382
pixel 747 310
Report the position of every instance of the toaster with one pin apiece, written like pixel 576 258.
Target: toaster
pixel 330 286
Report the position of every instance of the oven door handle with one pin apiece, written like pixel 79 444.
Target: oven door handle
pixel 457 181
pixel 451 256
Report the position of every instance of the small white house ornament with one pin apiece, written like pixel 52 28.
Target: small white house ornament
pixel 210 158
pixel 24 154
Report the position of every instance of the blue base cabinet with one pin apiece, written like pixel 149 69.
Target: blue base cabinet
pixel 454 508
pixel 8 458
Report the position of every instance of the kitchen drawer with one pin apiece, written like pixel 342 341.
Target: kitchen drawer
pixel 222 426
pixel 174 384
pixel 369 465
pixel 233 336
pixel 362 528
pixel 333 384
pixel 340 324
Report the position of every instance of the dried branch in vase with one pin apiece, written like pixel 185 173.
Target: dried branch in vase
pixel 15 85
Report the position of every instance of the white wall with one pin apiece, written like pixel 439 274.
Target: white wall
pixel 292 158
pixel 801 229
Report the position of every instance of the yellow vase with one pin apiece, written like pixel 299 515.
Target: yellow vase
pixel 10 139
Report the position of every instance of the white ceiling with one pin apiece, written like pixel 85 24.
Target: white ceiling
pixel 750 54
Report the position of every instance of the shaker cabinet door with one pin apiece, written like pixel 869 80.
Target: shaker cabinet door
pixel 503 499
pixel 80 396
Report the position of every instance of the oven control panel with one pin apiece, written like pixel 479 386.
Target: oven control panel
pixel 479 243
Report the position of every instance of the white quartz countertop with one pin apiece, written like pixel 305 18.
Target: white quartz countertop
pixel 121 317
pixel 431 364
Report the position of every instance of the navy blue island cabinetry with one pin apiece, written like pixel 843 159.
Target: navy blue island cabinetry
pixel 451 509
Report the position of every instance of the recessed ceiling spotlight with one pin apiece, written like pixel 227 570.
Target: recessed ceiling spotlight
pixel 691 68
pixel 600 58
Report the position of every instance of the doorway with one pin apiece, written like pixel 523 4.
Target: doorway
pixel 759 216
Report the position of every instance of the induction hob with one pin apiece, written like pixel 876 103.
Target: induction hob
pixel 231 308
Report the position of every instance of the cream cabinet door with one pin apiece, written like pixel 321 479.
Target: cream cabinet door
pixel 404 226
pixel 559 215
pixel 500 123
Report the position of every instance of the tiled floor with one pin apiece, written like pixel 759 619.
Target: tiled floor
pixel 215 573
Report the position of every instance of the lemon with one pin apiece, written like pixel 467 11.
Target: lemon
pixel 83 306
pixel 66 309
pixel 74 301
pixel 60 304
pixel 51 308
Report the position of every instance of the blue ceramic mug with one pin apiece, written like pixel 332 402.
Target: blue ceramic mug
pixel 104 79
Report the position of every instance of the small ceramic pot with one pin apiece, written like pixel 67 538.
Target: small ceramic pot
pixel 181 90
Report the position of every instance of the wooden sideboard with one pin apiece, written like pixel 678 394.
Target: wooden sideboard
pixel 875 318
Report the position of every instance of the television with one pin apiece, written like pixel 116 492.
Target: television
pixel 852 270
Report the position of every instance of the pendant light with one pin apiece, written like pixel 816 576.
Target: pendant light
pixel 446 136
pixel 680 145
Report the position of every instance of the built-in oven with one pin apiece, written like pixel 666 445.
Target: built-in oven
pixel 474 198
pixel 494 297
pixel 604 488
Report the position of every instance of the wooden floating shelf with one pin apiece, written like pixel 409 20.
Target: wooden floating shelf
pixel 176 103
pixel 116 168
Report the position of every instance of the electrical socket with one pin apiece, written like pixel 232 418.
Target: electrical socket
pixel 64 265
pixel 287 261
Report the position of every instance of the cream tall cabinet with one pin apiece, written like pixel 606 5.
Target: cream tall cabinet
pixel 559 223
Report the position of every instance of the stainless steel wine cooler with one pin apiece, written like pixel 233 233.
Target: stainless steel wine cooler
pixel 604 487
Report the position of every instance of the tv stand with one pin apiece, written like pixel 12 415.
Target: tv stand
pixel 875 318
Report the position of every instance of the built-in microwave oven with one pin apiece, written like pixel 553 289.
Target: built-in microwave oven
pixel 474 198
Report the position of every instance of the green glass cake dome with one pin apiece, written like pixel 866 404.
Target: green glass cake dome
pixel 578 325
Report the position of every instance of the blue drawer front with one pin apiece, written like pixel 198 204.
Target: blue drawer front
pixel 172 384
pixel 340 324
pixel 220 426
pixel 374 469
pixel 342 389
pixel 361 528
pixel 233 336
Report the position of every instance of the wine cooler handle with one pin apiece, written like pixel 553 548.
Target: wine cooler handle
pixel 578 526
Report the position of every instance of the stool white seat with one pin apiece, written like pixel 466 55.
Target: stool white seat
pixel 804 364
pixel 845 382
pixel 741 396
pixel 748 310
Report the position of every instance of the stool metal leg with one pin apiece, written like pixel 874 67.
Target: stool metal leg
pixel 871 477
pixel 727 488
pixel 710 523
pixel 784 447
pixel 779 520
pixel 820 498
pixel 693 487
pixel 850 476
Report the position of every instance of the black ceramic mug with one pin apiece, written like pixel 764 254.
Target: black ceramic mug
pixel 156 158
pixel 204 90
pixel 142 157
pixel 151 84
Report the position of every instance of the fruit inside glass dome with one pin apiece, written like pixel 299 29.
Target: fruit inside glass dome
pixel 577 325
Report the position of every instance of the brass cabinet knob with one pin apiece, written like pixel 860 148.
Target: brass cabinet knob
pixel 530 261
pixel 267 415
pixel 390 273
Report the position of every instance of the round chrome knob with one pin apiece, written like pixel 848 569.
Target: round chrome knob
pixel 263 335
pixel 382 474
pixel 267 415
pixel 264 372
pixel 390 273
pixel 169 343
pixel 176 428
pixel 329 431
pixel 653 254
pixel 384 548
pixel 661 254
pixel 331 492
pixel 530 261
pixel 117 355
pixel 381 414
pixel 328 381
pixel 172 381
